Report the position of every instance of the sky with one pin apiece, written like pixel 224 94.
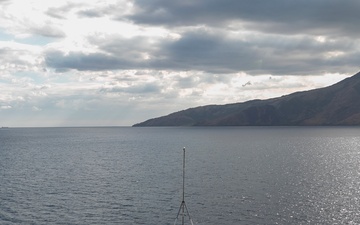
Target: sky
pixel 119 62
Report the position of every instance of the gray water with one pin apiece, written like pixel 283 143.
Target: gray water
pixel 242 175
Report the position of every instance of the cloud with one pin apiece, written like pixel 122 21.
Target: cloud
pixel 255 37
pixel 47 30
pixel 213 51
pixel 90 13
pixel 114 9
pixel 35 109
pixel 138 89
pixel 208 51
pixel 247 84
pixel 107 61
pixel 17 57
pixel 82 61
pixel 5 107
pixel 278 16
pixel 61 12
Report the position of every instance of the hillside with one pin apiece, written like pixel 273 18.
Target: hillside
pixel 337 104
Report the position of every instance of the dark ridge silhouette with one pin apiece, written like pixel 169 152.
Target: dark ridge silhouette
pixel 338 104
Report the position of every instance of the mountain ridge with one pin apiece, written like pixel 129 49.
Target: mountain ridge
pixel 337 104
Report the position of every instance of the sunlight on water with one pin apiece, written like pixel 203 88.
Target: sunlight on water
pixel 246 175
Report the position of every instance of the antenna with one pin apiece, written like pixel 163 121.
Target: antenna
pixel 183 206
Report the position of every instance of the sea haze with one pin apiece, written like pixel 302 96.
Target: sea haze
pixel 234 175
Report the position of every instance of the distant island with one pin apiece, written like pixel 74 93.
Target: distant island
pixel 335 105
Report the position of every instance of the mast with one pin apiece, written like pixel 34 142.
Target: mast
pixel 183 193
pixel 183 206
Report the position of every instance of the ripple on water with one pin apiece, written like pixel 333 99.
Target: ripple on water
pixel 134 175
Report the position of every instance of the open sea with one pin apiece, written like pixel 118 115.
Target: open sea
pixel 234 175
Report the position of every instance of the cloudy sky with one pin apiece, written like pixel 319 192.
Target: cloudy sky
pixel 118 62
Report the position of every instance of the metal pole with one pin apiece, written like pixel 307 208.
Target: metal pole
pixel 183 205
pixel 183 196
pixel 184 177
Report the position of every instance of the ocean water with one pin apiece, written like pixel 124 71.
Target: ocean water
pixel 234 175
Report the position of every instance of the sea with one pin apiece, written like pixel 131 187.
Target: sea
pixel 134 175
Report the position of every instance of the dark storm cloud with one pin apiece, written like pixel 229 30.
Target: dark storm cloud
pixel 130 48
pixel 81 61
pixel 213 52
pixel 185 82
pixel 276 37
pixel 194 51
pixel 310 16
pixel 219 53
pixel 210 52
pixel 118 53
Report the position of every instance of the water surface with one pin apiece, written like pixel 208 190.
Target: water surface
pixel 234 175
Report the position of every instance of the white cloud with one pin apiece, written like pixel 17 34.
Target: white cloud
pixel 108 62
pixel 35 109
pixel 5 107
